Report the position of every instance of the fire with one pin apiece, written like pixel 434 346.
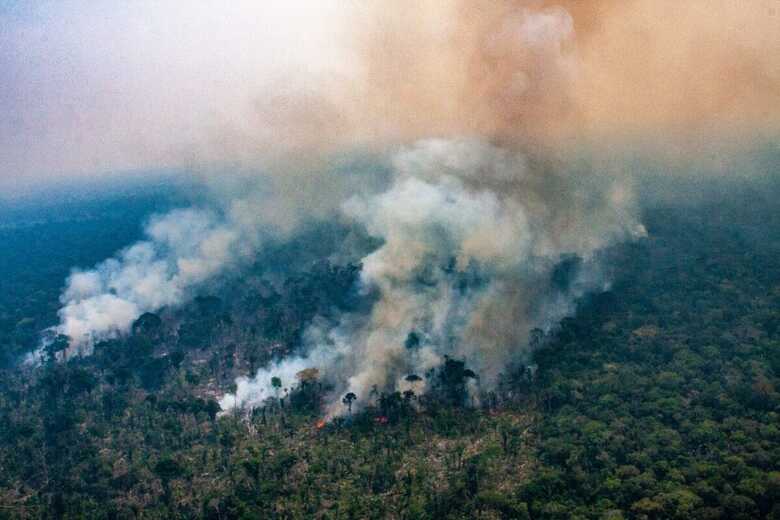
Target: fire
pixel 321 424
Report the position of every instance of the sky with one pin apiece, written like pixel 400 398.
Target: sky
pixel 88 87
pixel 95 86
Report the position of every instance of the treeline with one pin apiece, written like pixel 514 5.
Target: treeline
pixel 41 242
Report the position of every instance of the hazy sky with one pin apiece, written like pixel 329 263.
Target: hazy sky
pixel 94 85
pixel 89 86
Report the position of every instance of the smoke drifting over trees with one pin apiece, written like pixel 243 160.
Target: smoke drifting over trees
pixel 471 235
pixel 475 107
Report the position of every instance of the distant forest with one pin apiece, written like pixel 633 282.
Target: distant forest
pixel 659 398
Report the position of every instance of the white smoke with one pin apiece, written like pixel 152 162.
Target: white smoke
pixel 187 248
pixel 331 346
pixel 182 250
pixel 471 229
pixel 471 234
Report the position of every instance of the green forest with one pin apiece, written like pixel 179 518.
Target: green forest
pixel 658 399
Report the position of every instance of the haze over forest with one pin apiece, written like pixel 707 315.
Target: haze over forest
pixel 432 259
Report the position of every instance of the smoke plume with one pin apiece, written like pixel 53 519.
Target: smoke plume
pixel 95 87
pixel 183 249
pixel 479 107
pixel 536 73
pixel 472 235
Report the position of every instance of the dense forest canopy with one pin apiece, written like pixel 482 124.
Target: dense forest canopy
pixel 658 398
pixel 46 234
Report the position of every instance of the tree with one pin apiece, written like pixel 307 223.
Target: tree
pixel 307 375
pixel 452 380
pixel 212 408
pixel 348 399
pixel 276 384
pixel 59 344
pixel 176 358
pixel 147 324
pixel 168 469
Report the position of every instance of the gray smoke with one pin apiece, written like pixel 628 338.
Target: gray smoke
pixel 188 248
pixel 472 226
pixel 471 234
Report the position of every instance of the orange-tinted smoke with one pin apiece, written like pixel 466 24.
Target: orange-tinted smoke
pixel 525 70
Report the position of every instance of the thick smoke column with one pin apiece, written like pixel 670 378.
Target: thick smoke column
pixel 479 105
pixel 472 229
pixel 187 248
pixel 472 234
pixel 472 224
